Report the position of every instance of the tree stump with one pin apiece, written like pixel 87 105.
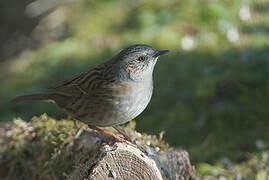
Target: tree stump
pixel 98 157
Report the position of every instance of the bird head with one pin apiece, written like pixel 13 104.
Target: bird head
pixel 138 61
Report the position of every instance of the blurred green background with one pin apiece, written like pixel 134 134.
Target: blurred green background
pixel 211 91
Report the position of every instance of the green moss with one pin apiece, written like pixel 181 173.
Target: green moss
pixel 42 147
pixel 256 167
pixel 37 149
pixel 146 140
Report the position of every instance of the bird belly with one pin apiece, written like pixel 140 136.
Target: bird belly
pixel 115 109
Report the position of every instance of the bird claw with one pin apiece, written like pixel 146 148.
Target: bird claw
pixel 115 137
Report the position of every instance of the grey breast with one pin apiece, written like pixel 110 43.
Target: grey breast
pixel 118 108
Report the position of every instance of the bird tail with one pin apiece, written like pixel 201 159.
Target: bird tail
pixel 31 97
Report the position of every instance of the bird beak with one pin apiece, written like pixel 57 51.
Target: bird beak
pixel 160 52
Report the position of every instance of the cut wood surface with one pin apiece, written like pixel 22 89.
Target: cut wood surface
pixel 106 160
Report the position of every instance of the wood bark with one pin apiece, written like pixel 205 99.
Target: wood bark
pixel 100 158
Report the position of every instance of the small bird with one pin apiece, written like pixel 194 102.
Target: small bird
pixel 110 94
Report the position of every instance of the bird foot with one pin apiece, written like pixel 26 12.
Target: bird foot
pixel 115 137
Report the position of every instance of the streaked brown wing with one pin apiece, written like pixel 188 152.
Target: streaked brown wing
pixel 105 88
pixel 98 100
pixel 66 82
pixel 83 83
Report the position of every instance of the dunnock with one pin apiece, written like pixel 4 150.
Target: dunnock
pixel 110 94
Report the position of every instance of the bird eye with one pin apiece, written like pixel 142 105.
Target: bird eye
pixel 141 58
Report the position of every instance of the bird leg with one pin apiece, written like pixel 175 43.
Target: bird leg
pixel 115 137
pixel 122 132
pixel 128 139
